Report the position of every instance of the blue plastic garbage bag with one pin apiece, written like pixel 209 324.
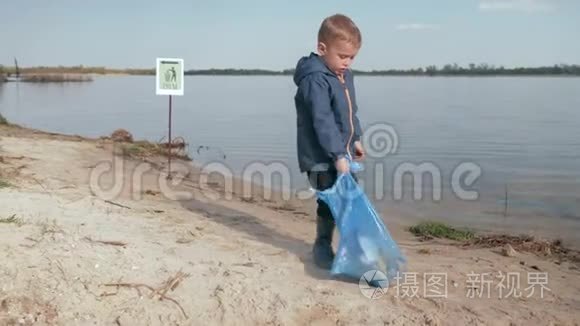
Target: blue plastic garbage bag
pixel 365 243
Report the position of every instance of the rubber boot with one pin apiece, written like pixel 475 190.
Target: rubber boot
pixel 323 254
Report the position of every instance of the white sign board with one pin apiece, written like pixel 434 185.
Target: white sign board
pixel 169 76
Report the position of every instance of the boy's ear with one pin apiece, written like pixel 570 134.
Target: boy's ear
pixel 322 48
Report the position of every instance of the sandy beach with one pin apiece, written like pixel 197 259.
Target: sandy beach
pixel 76 254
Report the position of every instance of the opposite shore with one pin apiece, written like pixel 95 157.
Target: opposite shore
pixel 430 71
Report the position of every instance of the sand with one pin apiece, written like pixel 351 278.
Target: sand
pixel 75 256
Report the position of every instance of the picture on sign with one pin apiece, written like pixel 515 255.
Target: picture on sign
pixel 169 76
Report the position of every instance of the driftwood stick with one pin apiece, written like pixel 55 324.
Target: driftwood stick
pixel 116 204
pixel 111 243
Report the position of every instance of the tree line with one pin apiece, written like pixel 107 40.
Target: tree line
pixel 446 70
pixel 477 70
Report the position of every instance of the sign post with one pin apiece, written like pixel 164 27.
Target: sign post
pixel 169 81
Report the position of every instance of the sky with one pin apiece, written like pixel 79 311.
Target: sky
pixel 274 34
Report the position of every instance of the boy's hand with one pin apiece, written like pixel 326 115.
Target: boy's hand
pixel 359 151
pixel 342 165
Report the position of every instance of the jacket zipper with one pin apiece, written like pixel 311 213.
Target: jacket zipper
pixel 341 79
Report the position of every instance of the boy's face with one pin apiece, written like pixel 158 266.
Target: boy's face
pixel 338 55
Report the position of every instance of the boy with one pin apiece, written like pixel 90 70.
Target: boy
pixel 329 131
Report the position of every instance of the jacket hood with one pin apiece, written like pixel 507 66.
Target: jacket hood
pixel 308 65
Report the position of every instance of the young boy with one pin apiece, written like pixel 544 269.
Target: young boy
pixel 329 131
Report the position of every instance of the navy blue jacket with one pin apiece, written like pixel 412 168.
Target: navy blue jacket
pixel 326 114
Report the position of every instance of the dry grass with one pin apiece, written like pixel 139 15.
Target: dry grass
pixel 521 243
pixel 3 173
pixel 8 172
pixel 142 149
pixel 55 78
pixel 79 70
pixel 526 243
pixel 11 220
pixel 145 149
pixel 4 184
pixel 3 121
pixel 50 228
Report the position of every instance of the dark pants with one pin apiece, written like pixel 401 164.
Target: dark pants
pixel 325 223
pixel 322 180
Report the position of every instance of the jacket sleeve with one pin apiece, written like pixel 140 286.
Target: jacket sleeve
pixel 317 98
pixel 357 128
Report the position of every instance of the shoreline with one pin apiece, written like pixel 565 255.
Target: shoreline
pixel 392 217
pixel 289 76
pixel 133 255
pixel 278 199
pixel 101 71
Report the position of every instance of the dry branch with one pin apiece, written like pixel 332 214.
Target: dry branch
pixel 170 284
pixel 112 243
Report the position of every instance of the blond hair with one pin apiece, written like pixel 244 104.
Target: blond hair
pixel 339 27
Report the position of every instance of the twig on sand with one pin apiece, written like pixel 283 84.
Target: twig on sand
pixel 477 259
pixel 107 294
pixel 135 286
pixel 61 269
pixel 15 157
pixel 170 284
pixel 41 185
pixel 281 252
pixel 112 243
pixel 116 204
